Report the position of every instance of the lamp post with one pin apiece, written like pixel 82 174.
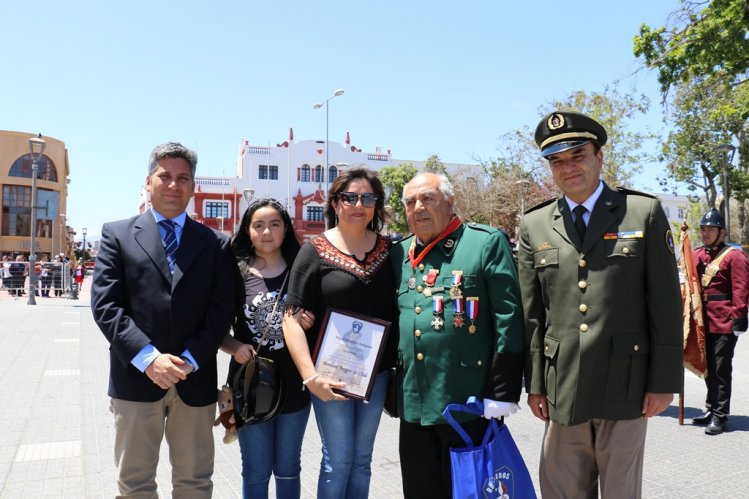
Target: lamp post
pixel 249 195
pixel 63 234
pixel 318 106
pixel 83 253
pixel 36 146
pixel 726 151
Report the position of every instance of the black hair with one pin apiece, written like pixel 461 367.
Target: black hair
pixel 241 244
pixel 341 183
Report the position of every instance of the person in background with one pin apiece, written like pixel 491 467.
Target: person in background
pixel 45 276
pixel 161 299
pixel 79 274
pixel 725 277
pixel 265 247
pixel 345 267
pixel 461 331
pixel 603 317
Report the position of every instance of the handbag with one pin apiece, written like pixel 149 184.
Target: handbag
pixel 259 387
pixel 494 469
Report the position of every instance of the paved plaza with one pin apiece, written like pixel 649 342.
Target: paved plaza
pixel 56 431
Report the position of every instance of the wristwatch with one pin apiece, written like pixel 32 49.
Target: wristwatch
pixel 188 362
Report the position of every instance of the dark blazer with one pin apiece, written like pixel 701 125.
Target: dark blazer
pixel 136 300
pixel 603 316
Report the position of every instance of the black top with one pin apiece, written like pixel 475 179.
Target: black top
pixel 323 276
pixel 260 296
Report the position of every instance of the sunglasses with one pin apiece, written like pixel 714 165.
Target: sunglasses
pixel 368 200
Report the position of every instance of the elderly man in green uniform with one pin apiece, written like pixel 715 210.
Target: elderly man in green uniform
pixel 461 331
pixel 603 317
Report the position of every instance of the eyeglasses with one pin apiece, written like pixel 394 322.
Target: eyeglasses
pixel 368 200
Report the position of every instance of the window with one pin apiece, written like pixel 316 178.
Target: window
pixel 314 213
pixel 268 172
pixel 16 215
pixel 682 213
pixel 22 168
pixel 215 209
pixel 318 174
pixel 305 173
pixel 332 174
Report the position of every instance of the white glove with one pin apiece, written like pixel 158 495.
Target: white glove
pixel 498 409
pixel 739 333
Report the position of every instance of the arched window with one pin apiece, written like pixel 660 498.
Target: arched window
pixel 332 173
pixel 318 173
pixel 22 168
pixel 305 173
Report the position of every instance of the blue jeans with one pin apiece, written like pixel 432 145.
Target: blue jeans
pixel 273 447
pixel 347 430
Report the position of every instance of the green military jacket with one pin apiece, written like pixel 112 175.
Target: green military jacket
pixel 603 317
pixel 444 357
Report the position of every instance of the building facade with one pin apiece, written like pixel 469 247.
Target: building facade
pixel 52 233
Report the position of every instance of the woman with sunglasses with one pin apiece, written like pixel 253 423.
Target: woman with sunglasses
pixel 265 247
pixel 346 267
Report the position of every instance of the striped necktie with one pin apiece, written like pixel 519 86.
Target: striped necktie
pixel 170 242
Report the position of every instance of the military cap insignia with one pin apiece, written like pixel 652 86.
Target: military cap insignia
pixel 555 121
pixel 670 241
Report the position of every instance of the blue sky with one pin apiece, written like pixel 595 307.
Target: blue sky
pixel 113 79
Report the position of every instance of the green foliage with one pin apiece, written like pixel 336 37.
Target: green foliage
pixel 394 178
pixel 434 164
pixel 700 41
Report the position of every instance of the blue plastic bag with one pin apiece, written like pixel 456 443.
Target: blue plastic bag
pixel 493 470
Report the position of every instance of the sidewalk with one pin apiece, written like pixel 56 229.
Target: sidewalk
pixel 56 431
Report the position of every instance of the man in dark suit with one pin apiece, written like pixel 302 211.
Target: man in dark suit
pixel 603 317
pixel 162 296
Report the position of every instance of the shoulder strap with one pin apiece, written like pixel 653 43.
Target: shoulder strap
pixel 712 268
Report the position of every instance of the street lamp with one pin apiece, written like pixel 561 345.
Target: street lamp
pixel 249 195
pixel 36 146
pixel 318 106
pixel 83 254
pixel 726 151
pixel 63 233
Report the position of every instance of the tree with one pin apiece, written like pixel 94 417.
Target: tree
pixel 704 37
pixel 394 178
pixel 434 164
pixel 623 154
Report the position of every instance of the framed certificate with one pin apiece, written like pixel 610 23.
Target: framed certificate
pixel 349 349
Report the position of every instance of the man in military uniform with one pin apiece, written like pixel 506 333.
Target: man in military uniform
pixel 603 317
pixel 461 331
pixel 723 272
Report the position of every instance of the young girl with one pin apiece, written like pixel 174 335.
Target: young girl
pixel 265 247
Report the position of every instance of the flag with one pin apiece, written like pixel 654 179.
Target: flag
pixel 691 295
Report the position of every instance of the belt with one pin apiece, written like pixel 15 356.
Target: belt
pixel 716 297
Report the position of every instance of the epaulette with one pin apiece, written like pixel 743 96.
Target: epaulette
pixel 482 227
pixel 624 190
pixel 541 204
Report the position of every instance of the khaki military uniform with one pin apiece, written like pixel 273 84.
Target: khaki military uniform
pixel 603 315
pixel 445 357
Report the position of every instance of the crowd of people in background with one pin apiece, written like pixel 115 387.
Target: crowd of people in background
pixel 54 276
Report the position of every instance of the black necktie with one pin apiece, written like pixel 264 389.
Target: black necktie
pixel 579 221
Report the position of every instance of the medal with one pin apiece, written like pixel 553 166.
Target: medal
pixel 458 319
pixel 455 285
pixel 412 282
pixel 472 310
pixel 438 306
pixel 431 277
pixel 427 292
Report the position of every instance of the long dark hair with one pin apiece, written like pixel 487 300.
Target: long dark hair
pixel 340 184
pixel 241 244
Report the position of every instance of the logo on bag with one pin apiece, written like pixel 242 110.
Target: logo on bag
pixel 500 484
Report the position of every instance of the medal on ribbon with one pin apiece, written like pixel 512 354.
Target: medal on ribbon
pixel 412 282
pixel 456 282
pixel 431 277
pixel 472 310
pixel 458 310
pixel 438 306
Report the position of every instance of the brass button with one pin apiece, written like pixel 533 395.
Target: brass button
pixel 419 288
pixel 417 333
pixel 479 363
pixel 546 348
pixel 582 284
pixel 583 328
pixel 421 267
pixel 420 356
pixel 582 263
pixel 417 309
pixel 625 251
pixel 637 348
pixel 543 261
pixel 583 308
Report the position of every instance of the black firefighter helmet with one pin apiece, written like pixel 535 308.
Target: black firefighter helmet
pixel 713 218
pixel 258 392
